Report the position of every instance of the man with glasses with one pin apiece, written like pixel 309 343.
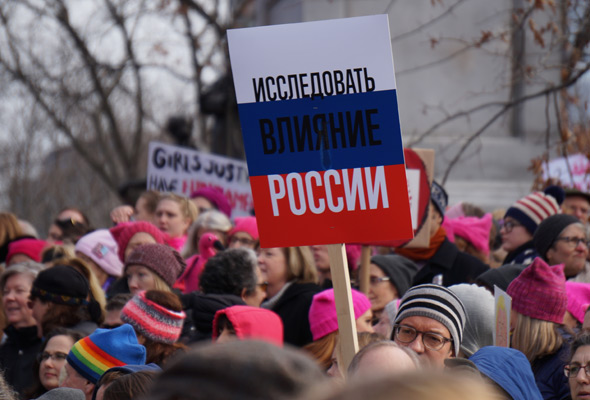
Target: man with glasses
pixel 561 239
pixel 430 321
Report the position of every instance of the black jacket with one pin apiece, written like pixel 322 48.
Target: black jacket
pixel 17 356
pixel 454 265
pixel 293 308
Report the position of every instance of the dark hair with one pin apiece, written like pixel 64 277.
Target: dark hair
pixel 230 272
pixel 583 339
pixel 130 386
pixel 157 352
pixel 37 389
pixel 118 301
pixel 240 369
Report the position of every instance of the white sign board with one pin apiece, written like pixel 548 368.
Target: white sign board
pixel 571 172
pixel 181 170
pixel 413 176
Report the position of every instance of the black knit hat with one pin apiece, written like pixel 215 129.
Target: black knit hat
pixel 501 276
pixel 549 230
pixel 61 284
pixel 439 198
pixel 400 270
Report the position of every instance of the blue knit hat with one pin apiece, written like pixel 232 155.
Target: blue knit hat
pixel 93 355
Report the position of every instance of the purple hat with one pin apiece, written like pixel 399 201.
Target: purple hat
pixel 216 197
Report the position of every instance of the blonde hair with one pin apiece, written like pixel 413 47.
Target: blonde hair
pixel 300 264
pixel 187 208
pixel 535 338
pixel 160 284
pixel 321 350
pixel 9 227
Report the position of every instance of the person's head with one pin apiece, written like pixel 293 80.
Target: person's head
pixel 69 225
pixel 16 283
pixel 322 262
pixel 577 368
pixel 230 272
pixel 9 227
pixel 175 214
pixel 157 319
pixel 385 324
pixel 247 323
pixel 430 321
pixel 501 276
pixel 93 355
pixel 216 371
pixel 578 299
pixel 24 250
pixel 132 234
pixel 130 386
pixel 125 388
pixel 211 221
pixel 509 369
pixel 244 234
pixel 323 318
pixel 523 217
pixel 145 206
pixel 382 358
pixel 52 356
pixel 115 304
pixel 62 394
pixel 153 267
pixel 280 265
pixel 439 200
pixel 539 302
pixel 60 298
pixel 561 239
pixel 336 369
pixel 390 277
pixel 100 251
pixel 480 324
pixel 471 235
pixel 576 203
pixel 210 198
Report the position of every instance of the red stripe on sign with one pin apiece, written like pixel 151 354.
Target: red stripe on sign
pixel 334 206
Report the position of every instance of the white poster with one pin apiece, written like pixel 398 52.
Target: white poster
pixel 571 172
pixel 413 176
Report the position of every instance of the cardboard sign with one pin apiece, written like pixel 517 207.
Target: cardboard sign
pixel 180 170
pixel 571 172
pixel 318 110
pixel 503 308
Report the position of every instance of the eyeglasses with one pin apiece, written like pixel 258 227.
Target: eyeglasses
pixel 57 356
pixel 407 334
pixel 243 241
pixel 263 285
pixel 509 226
pixel 572 370
pixel 573 242
pixel 375 280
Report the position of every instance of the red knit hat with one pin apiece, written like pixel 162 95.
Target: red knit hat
pixel 539 292
pixel 323 318
pixel 125 231
pixel 31 248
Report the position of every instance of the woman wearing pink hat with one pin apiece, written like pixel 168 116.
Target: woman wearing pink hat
pixel 323 322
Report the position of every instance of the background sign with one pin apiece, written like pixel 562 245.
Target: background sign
pixel 571 172
pixel 181 170
pixel 318 109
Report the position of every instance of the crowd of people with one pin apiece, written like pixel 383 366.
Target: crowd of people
pixel 178 300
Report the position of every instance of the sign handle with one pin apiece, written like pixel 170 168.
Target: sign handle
pixel 364 270
pixel 344 307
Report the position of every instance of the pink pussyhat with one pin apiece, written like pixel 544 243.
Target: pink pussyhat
pixel 578 299
pixel 475 230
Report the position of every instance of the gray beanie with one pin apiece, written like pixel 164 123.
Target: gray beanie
pixel 438 303
pixel 480 307
pixel 549 230
pixel 63 393
pixel 399 269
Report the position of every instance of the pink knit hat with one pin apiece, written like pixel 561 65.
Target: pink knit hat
pixel 216 197
pixel 125 231
pixel 153 320
pixel 245 224
pixel 100 247
pixel 539 292
pixel 578 299
pixel 323 319
pixel 31 248
pixel 475 230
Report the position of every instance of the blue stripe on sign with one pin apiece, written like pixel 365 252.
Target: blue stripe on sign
pixel 336 132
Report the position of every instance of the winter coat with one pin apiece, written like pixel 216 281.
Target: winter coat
pixel 525 254
pixel 551 380
pixel 18 354
pixel 454 265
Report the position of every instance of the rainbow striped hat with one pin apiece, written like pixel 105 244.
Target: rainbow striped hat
pixel 93 355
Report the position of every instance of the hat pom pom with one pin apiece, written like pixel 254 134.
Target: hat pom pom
pixel 556 192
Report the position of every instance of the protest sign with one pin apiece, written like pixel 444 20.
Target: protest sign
pixel 318 110
pixel 181 170
pixel 503 303
pixel 572 172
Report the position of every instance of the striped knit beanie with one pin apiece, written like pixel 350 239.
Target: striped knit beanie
pixel 534 208
pixel 438 303
pixel 152 320
pixel 93 355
